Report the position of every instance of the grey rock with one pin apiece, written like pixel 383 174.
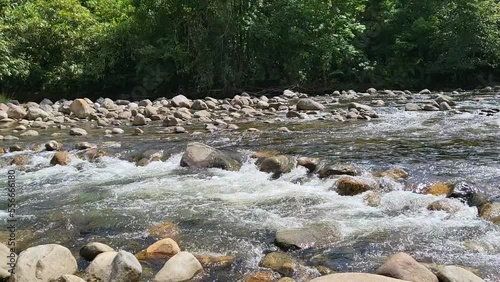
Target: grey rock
pixel 125 268
pixel 314 236
pixel 93 249
pixel 452 273
pixel 402 266
pixel 198 155
pixel 309 104
pixel 181 267
pixel 75 131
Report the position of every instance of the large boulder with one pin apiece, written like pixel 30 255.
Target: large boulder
pixel 181 101
pixel 44 263
pixel 490 211
pixel 60 158
pixel 199 155
pixel 181 267
pixel 163 249
pixel 439 188
pixel 93 249
pixel 403 266
pixel 451 273
pixel 16 112
pixel 125 268
pixel 355 277
pixel 350 186
pixel 34 113
pixel 307 237
pixel 100 268
pixel 338 169
pixel 307 104
pixel 276 165
pixel 80 108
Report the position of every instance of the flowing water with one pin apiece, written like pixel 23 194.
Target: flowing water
pixel 237 213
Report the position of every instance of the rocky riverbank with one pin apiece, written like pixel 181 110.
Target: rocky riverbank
pixel 71 134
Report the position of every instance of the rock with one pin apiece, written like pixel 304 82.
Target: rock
pixel 16 112
pixel 276 165
pixel 150 111
pixel 315 236
pixel 359 107
pixel 171 121
pixel 117 131
pixel 15 148
pixel 261 276
pixel 20 160
pixel 199 155
pixel 286 279
pixel 69 278
pixel 355 277
pixel 139 120
pixel 125 268
pixel 452 273
pixel 293 114
pixel 445 99
pixel 75 131
pixel 60 158
pixel 93 249
pixel 372 199
pixel 443 205
pixel 6 261
pixel 34 113
pixel 445 106
pixel 44 263
pixel 309 104
pixel 289 94
pixel 371 91
pixel 179 129
pixel 439 188
pixel 183 114
pixel 164 230
pixel 490 211
pixel 412 107
pixel 30 133
pixel 163 249
pixel 138 131
pixel 394 173
pixel 215 261
pixel 425 91
pixel 181 101
pixel 311 164
pixel 430 108
pixel 404 267
pixel 280 262
pixel 53 145
pixel 3 115
pixel 10 138
pixel 100 267
pixel 181 267
pixel 84 145
pixel 199 105
pixel 80 108
pixel 350 186
pixel 145 103
pixel 338 169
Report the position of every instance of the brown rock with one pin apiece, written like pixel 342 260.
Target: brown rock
pixel 60 158
pixel 20 160
pixel 265 154
pixel 310 163
pixel 210 261
pixel 490 211
pixel 395 173
pixel 163 249
pixel 372 199
pixel 338 169
pixel 282 263
pixel 355 277
pixel 261 276
pixel 403 266
pixel 164 230
pixel 439 188
pixel 443 205
pixel 350 186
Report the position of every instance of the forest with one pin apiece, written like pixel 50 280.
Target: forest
pixel 69 48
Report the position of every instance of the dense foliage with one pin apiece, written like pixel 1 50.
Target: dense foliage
pixel 157 47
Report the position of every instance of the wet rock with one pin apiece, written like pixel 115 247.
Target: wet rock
pixel 30 133
pixel 276 165
pixel 323 270
pixel 404 267
pixel 138 131
pixel 84 145
pixel 445 106
pixel 199 105
pixel 100 267
pixel 139 120
pixel 117 131
pixel 93 249
pixel 125 268
pixel 15 148
pixel 212 261
pixel 282 263
pixel 20 160
pixel 171 121
pixel 394 173
pixel 80 108
pixel 69 278
pixel 60 158
pixel 359 107
pixel 430 108
pixel 164 230
pixel 311 164
pixel 10 138
pixel 350 186
pixel 35 113
pixel 372 199
pixel 452 273
pixel 75 131
pixel 315 236
pixel 445 99
pixel 199 155
pixel 309 104
pixel 293 114
pixel 179 129
pixel 163 249
pixel 467 193
pixel 490 211
pixel 44 263
pixel 410 107
pixel 181 101
pixel 181 267
pixel 338 169
pixel 261 276
pixel 16 112
pixel 356 277
pixel 443 205
pixel 425 91
pixel 439 188
pixel 53 145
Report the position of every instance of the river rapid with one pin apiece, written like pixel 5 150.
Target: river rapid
pixel 237 212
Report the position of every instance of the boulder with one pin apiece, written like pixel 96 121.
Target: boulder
pixel 125 268
pixel 280 262
pixel 311 164
pixel 44 263
pixel 315 236
pixel 34 113
pixel 53 145
pixel 100 267
pixel 163 249
pixel 359 107
pixel 338 169
pixel 439 188
pixel 395 173
pixel 60 158
pixel 198 155
pixel 211 261
pixel 139 120
pixel 93 249
pixel 276 165
pixel 181 101
pixel 80 108
pixel 490 211
pixel 356 277
pixel 308 105
pixel 20 160
pixel 16 112
pixel 75 131
pixel 181 267
pixel 403 266
pixel 350 186
pixel 410 107
pixel 30 133
pixel 452 273
pixel 199 105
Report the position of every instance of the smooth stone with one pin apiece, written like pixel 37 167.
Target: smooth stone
pixel 61 158
pixel 30 133
pixel 350 186
pixel 181 101
pixel 314 236
pixel 412 107
pixel 93 249
pixel 139 120
pixel 283 263
pixel 309 104
pixel 100 267
pixel 452 273
pixel 403 266
pixel 75 131
pixel 125 268
pixel 163 249
pixel 69 278
pixel 181 267
pixel 117 131
pixel 80 108
pixel 356 277
pixel 198 155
